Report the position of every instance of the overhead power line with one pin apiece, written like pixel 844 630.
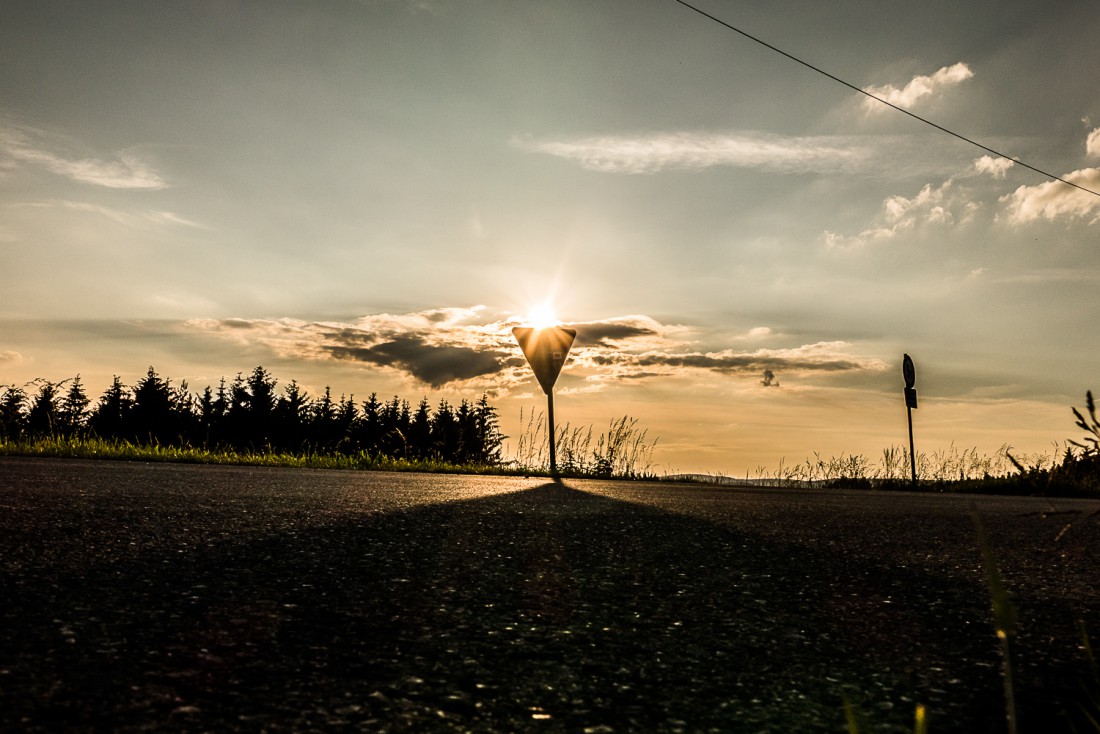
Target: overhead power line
pixel 864 92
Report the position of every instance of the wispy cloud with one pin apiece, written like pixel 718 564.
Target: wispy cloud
pixel 635 154
pixel 9 357
pixel 1046 276
pixel 1054 200
pixel 1092 144
pixel 917 88
pixel 475 346
pixel 28 146
pixel 140 218
pixel 818 357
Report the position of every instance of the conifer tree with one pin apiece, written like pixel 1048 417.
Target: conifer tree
pixel 12 406
pixel 369 433
pixel 289 432
pixel 395 421
pixel 186 416
pixel 489 438
pixel 347 420
pixel 217 421
pixel 236 423
pixel 467 433
pixel 44 417
pixel 261 407
pixel 322 423
pixel 153 417
pixel 444 432
pixel 205 417
pixel 73 412
pixel 420 431
pixel 111 414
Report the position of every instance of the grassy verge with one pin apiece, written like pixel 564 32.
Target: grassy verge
pixel 94 448
pixel 1064 472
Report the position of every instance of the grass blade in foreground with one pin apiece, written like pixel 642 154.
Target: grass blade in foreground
pixel 1004 617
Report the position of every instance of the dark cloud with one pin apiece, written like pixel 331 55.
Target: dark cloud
pixel 429 363
pixel 769 379
pixel 350 335
pixel 599 333
pixel 728 363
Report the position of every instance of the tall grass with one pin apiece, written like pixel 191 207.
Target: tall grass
pixel 1089 707
pixel 1070 469
pixel 622 451
pixel 892 467
pixel 1004 618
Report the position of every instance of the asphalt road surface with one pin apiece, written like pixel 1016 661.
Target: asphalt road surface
pixel 190 598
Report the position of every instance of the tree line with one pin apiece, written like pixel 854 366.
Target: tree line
pixel 251 414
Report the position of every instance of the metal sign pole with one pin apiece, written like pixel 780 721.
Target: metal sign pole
pixel 909 372
pixel 912 456
pixel 553 435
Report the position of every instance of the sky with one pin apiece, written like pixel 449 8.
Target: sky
pixel 369 194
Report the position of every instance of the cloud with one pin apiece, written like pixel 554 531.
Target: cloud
pixel 932 205
pixel 818 357
pixel 1047 276
pixel 433 347
pixel 617 332
pixel 1092 144
pixel 136 219
pixel 432 364
pixel 694 151
pixel 917 88
pixel 959 199
pixel 10 357
pixel 476 346
pixel 25 145
pixel 995 167
pixel 1053 199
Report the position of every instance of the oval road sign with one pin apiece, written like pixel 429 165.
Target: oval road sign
pixel 908 371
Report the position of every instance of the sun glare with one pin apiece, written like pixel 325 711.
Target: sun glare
pixel 542 316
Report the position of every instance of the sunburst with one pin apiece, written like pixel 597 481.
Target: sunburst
pixel 542 316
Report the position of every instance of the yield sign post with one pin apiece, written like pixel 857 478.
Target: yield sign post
pixel 546 350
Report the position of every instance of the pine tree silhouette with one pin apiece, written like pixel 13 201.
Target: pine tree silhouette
pixel 249 415
pixel 12 413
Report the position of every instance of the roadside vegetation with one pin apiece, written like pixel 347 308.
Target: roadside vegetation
pixel 251 421
pixel 1065 471
pixel 247 421
pixel 623 451
pixel 1070 469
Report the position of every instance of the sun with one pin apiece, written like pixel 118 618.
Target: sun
pixel 542 316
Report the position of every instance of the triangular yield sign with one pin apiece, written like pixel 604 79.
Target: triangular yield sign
pixel 546 350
